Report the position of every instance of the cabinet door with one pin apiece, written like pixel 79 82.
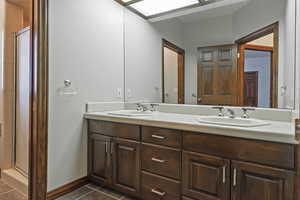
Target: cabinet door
pixel 99 159
pixel 126 159
pixel 251 181
pixel 205 177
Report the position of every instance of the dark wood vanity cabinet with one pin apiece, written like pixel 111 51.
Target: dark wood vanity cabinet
pixel 252 181
pixel 164 164
pixel 205 177
pixel 126 166
pixel 114 161
pixel 99 158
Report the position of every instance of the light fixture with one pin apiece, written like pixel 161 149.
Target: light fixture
pixel 154 7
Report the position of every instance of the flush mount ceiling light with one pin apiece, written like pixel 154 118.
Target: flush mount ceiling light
pixel 154 7
pixel 151 8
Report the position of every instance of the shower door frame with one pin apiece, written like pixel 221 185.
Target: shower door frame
pixel 15 101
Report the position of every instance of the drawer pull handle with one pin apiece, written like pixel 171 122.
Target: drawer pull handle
pixel 158 160
pixel 224 174
pixel 126 148
pixel 158 192
pixel 158 137
pixel 234 177
pixel 106 146
pixel 112 148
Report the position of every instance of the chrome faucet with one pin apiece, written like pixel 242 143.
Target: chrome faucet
pixel 231 113
pixel 220 108
pixel 154 107
pixel 141 107
pixel 245 110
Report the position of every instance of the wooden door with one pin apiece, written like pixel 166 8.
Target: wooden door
pixel 126 159
pixel 217 75
pixel 251 89
pixel 100 159
pixel 251 181
pixel 205 177
pixel 180 78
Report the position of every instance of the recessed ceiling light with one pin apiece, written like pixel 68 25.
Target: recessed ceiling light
pixel 126 1
pixel 153 7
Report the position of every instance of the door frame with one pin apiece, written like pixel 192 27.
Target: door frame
pixel 256 76
pixel 242 45
pixel 181 70
pixel 38 143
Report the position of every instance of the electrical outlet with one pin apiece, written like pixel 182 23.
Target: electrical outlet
pixel 129 93
pixel 119 92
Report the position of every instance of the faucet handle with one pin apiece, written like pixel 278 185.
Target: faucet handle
pixel 139 106
pixel 245 110
pixel 154 106
pixel 220 108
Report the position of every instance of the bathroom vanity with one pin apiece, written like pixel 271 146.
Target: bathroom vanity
pixel 149 160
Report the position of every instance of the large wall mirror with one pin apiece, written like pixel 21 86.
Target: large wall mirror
pixel 228 52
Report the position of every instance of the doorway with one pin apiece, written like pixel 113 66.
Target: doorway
pixel 15 97
pixel 172 73
pixel 258 52
pixel 257 77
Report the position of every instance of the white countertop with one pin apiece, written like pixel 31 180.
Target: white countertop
pixel 283 132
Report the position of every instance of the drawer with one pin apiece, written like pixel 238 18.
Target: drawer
pixel 267 153
pixel 161 160
pixel 126 131
pixel 155 187
pixel 167 137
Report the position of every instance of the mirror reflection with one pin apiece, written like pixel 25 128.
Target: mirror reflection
pixel 234 53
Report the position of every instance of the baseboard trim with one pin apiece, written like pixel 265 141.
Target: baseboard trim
pixel 67 188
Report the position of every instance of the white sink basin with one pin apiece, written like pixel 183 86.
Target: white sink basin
pixel 226 121
pixel 131 113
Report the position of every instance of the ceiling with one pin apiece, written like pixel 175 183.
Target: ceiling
pixel 216 9
pixel 26 5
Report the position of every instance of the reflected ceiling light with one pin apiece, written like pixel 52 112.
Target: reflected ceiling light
pixel 153 7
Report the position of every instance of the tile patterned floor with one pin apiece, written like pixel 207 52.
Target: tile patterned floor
pixel 9 193
pixel 93 192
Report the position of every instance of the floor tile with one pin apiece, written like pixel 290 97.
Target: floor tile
pixel 4 188
pixel 107 191
pixel 13 195
pixel 96 196
pixel 76 194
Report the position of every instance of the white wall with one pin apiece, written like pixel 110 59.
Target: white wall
pixel 297 72
pixel 143 55
pixel 86 47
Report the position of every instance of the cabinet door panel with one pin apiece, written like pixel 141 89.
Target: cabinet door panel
pixel 99 159
pixel 251 181
pixel 126 157
pixel 205 177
